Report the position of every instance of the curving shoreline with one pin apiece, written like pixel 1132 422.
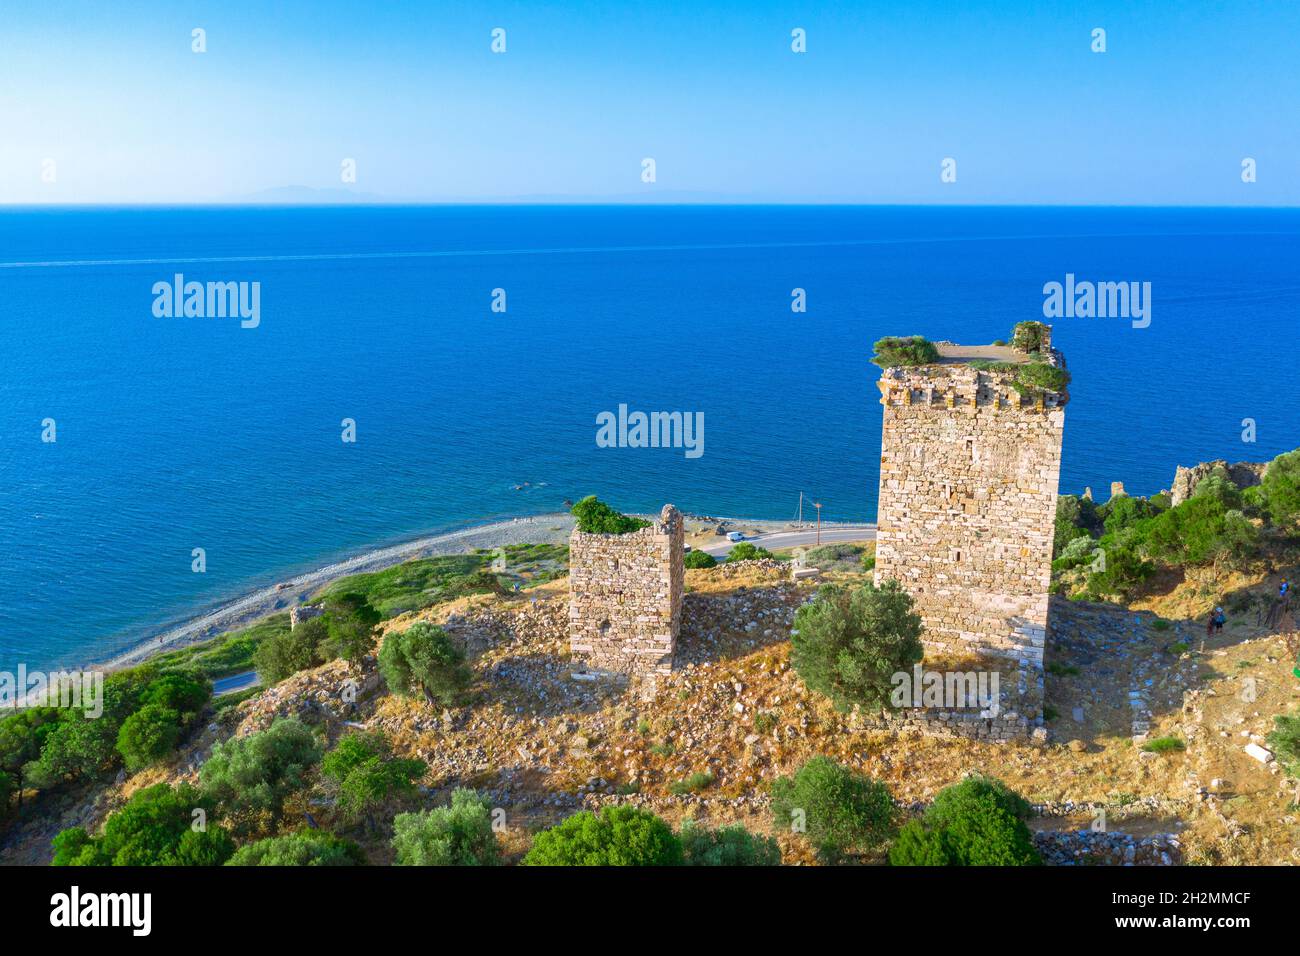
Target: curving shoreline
pixel 550 528
pixel 547 528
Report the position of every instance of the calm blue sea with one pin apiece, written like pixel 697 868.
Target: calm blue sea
pixel 181 433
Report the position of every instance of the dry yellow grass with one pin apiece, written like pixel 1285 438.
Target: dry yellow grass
pixel 742 715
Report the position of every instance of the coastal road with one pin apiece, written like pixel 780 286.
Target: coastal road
pixel 772 540
pixel 235 682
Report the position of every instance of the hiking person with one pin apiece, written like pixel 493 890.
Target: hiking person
pixel 1219 619
pixel 1280 606
pixel 1209 625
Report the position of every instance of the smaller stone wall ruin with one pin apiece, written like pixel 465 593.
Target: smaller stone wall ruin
pixel 304 612
pixel 625 596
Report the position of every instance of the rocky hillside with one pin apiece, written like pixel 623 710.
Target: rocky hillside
pixel 541 738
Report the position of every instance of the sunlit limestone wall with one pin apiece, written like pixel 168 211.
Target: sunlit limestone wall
pixel 969 471
pixel 625 596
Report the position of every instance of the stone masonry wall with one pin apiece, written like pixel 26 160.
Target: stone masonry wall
pixel 625 596
pixel 304 612
pixel 955 723
pixel 969 472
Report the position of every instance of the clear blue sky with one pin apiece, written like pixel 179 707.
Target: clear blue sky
pixel 711 90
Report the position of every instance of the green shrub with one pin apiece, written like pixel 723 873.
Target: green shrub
pixel 700 559
pixel 250 777
pixel 1163 745
pixel 848 642
pixel 308 848
pixel 1033 377
pixel 837 810
pixel 1078 551
pixel 184 692
pixel 423 659
pixel 978 822
pixel 458 835
pixel 619 836
pixel 977 788
pixel 1253 502
pixel 1201 530
pixel 1219 486
pixel 156 827
pixel 1281 489
pixel 145 715
pixel 77 746
pixel 22 737
pixel 287 652
pixel 1075 518
pixel 148 735
pixel 1124 512
pixel 1125 569
pixel 350 622
pixel 983 835
pixel 895 350
pixel 1284 741
pixel 596 517
pixel 727 846
pixel 168 705
pixel 748 551
pixel 366 774
pixel 919 845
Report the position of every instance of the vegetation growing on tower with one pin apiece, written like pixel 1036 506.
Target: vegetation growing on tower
pixel 894 350
pixel 596 517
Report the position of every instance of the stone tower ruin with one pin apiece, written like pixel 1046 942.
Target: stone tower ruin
pixel 970 464
pixel 625 596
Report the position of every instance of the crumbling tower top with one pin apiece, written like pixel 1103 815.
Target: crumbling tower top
pixel 1029 373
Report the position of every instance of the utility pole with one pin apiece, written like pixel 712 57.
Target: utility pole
pixel 818 506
